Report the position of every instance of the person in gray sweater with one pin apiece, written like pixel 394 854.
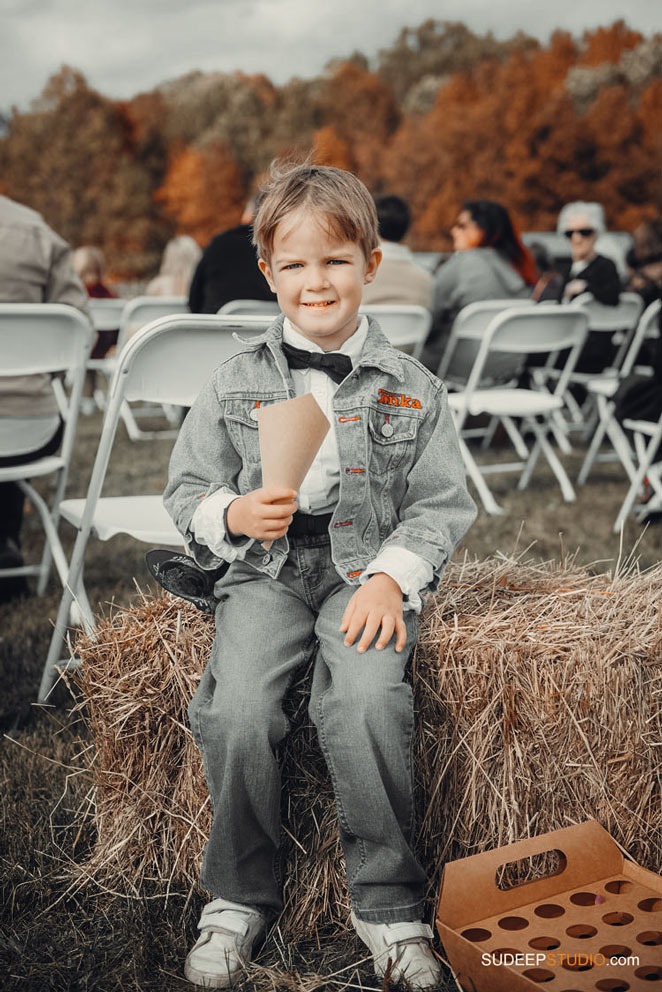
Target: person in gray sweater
pixel 489 262
pixel 35 267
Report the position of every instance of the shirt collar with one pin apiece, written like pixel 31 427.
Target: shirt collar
pixel 352 347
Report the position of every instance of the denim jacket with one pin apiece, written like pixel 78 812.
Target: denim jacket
pixel 402 475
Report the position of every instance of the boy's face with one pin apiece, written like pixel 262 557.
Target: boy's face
pixel 317 278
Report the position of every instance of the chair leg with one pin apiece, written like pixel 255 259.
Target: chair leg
pixel 516 438
pixel 52 538
pixel 605 412
pixel 646 452
pixel 542 444
pixel 476 477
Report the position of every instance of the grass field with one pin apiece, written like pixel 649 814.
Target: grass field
pixel 55 940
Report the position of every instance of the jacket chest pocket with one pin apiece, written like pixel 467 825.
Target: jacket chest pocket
pixel 392 441
pixel 241 419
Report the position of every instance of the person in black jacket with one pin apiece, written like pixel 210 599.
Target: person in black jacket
pixel 587 272
pixel 228 270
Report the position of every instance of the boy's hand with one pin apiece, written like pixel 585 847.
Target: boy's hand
pixel 264 514
pixel 377 603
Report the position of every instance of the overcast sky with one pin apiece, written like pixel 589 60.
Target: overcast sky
pixel 124 47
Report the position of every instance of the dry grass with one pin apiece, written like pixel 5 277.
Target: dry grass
pixel 52 938
pixel 538 690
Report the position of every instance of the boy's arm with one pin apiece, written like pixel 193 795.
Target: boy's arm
pixel 435 513
pixel 437 510
pixel 204 468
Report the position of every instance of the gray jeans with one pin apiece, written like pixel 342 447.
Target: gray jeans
pixel 363 711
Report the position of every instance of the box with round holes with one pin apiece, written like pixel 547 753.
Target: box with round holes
pixel 592 920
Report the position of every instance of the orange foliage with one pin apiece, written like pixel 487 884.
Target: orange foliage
pixel 608 44
pixel 329 149
pixel 202 191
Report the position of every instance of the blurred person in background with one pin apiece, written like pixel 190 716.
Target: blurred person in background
pixel 639 397
pixel 644 261
pixel 90 264
pixel 228 269
pixel 399 279
pixel 35 267
pixel 180 258
pixel 489 262
pixel 587 272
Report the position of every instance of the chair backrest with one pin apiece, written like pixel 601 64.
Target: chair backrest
pixel 646 329
pixel 144 309
pixel 555 244
pixel 622 317
pixel 405 325
pixel 532 330
pixel 248 307
pixel 466 334
pixel 45 338
pixel 615 245
pixel 168 361
pixel 106 313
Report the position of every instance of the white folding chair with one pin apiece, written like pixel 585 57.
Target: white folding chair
pixel 603 388
pixel 405 325
pixel 465 338
pixel 647 439
pixel 46 338
pixel 462 347
pixel 106 314
pixel 618 324
pixel 248 307
pixel 166 362
pixel 517 332
pixel 136 313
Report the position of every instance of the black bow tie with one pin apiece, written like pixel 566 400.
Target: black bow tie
pixel 335 365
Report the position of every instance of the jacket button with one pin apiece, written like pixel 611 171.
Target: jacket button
pixel 266 559
pixel 387 430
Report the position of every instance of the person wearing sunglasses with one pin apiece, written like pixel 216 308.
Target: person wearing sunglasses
pixel 587 271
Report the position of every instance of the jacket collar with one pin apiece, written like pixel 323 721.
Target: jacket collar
pixel 378 352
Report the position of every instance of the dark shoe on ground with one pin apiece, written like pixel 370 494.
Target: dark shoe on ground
pixel 12 586
pixel 180 575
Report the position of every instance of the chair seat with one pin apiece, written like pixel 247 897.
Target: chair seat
pixel 603 386
pixel 506 402
pixel 142 517
pixel 42 466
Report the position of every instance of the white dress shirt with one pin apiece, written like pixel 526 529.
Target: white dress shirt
pixel 319 490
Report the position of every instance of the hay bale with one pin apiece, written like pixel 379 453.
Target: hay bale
pixel 538 690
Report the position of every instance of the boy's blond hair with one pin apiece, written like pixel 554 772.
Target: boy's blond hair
pixel 340 195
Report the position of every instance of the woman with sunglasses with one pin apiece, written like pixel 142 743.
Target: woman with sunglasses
pixel 586 272
pixel 489 262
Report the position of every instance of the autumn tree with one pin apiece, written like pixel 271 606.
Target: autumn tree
pixel 71 158
pixel 202 191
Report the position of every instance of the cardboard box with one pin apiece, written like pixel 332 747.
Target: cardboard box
pixel 595 923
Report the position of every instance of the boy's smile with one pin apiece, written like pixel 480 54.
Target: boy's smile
pixel 318 277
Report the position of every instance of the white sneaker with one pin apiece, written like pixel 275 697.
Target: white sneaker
pixel 229 932
pixel 407 947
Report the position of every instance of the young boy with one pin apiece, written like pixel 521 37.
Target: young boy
pixel 376 519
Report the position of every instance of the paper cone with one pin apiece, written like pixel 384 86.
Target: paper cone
pixel 291 434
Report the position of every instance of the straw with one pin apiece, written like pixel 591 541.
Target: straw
pixel 538 691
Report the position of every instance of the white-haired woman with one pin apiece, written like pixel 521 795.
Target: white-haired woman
pixel 588 272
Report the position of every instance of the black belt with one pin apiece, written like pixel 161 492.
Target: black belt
pixel 309 524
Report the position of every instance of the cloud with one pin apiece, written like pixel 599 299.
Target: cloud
pixel 125 47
